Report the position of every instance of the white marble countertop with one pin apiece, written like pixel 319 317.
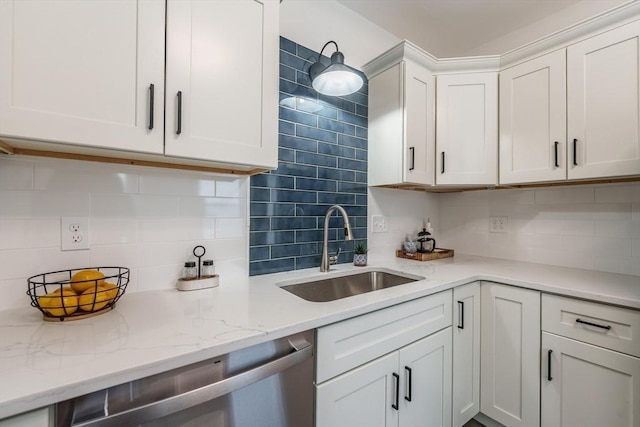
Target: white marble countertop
pixel 149 332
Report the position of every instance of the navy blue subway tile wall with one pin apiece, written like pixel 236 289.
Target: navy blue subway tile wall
pixel 322 161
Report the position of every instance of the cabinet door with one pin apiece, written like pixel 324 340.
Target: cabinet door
pixel 510 355
pixel 466 353
pixel 467 129
pixel 533 120
pixel 419 129
pixel 585 385
pixel 222 81
pixel 425 369
pixel 603 89
pixel 401 125
pixel 361 397
pixel 37 418
pixel 81 72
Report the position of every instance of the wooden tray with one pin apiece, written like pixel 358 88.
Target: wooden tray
pixel 438 253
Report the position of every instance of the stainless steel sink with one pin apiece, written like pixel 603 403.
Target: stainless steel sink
pixel 323 289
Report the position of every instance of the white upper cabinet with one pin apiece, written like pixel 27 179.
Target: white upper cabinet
pixel 533 120
pixel 467 129
pixel 603 87
pixel 83 73
pixel 573 113
pixel 401 119
pixel 222 81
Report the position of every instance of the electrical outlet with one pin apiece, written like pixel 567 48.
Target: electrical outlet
pixel 498 224
pixel 379 224
pixel 74 233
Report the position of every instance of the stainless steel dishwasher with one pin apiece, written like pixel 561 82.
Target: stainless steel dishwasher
pixel 269 384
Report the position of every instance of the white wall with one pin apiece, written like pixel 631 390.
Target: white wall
pixel 591 227
pixel 405 212
pixel 312 23
pixel 146 219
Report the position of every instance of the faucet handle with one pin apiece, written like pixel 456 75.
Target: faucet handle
pixel 333 259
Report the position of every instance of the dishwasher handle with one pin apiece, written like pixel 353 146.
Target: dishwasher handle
pixel 204 394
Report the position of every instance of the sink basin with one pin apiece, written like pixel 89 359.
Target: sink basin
pixel 323 289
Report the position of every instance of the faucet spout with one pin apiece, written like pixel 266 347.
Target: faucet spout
pixel 326 261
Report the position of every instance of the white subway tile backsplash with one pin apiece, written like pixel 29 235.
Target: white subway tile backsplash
pixel 592 227
pixel 16 203
pixel 623 193
pixel 618 229
pixel 14 294
pixel 60 203
pixel 213 207
pixel 158 277
pixel 16 233
pixel 178 185
pixel 565 196
pixel 230 228
pixel 109 231
pixel 16 174
pixel 563 258
pixel 231 187
pixel 619 265
pixel 146 219
pixel 86 177
pixel 45 232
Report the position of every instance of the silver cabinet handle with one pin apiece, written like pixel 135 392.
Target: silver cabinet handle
pixel 200 395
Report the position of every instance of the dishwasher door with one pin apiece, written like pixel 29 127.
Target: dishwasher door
pixel 269 384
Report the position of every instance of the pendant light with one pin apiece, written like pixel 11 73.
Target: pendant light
pixel 335 79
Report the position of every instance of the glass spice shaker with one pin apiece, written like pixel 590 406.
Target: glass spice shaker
pixel 208 269
pixel 190 272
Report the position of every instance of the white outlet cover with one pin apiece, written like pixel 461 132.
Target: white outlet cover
pixel 499 224
pixel 379 224
pixel 74 233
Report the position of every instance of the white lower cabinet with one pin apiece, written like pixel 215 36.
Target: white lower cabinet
pixel 409 387
pixel 388 368
pixel 37 418
pixel 466 353
pixel 590 364
pixel 510 355
pixel 585 385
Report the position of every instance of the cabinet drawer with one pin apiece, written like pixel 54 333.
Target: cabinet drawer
pixel 353 342
pixel 611 327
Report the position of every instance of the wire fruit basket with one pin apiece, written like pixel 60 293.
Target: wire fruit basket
pixel 77 294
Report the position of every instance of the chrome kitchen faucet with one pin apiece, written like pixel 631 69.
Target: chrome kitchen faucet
pixel 327 260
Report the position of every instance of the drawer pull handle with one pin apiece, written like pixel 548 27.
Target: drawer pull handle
pixel 575 152
pixel 408 371
pixel 549 377
pixel 397 399
pixel 584 322
pixel 442 162
pixel 556 154
pixel 460 314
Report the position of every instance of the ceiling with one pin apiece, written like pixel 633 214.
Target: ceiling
pixel 451 28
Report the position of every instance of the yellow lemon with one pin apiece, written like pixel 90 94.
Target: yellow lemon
pixel 110 290
pixel 86 279
pixel 90 300
pixel 59 303
pixel 66 288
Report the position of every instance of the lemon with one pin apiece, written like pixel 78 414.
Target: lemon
pixel 86 279
pixel 66 288
pixel 59 303
pixel 94 300
pixel 110 290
